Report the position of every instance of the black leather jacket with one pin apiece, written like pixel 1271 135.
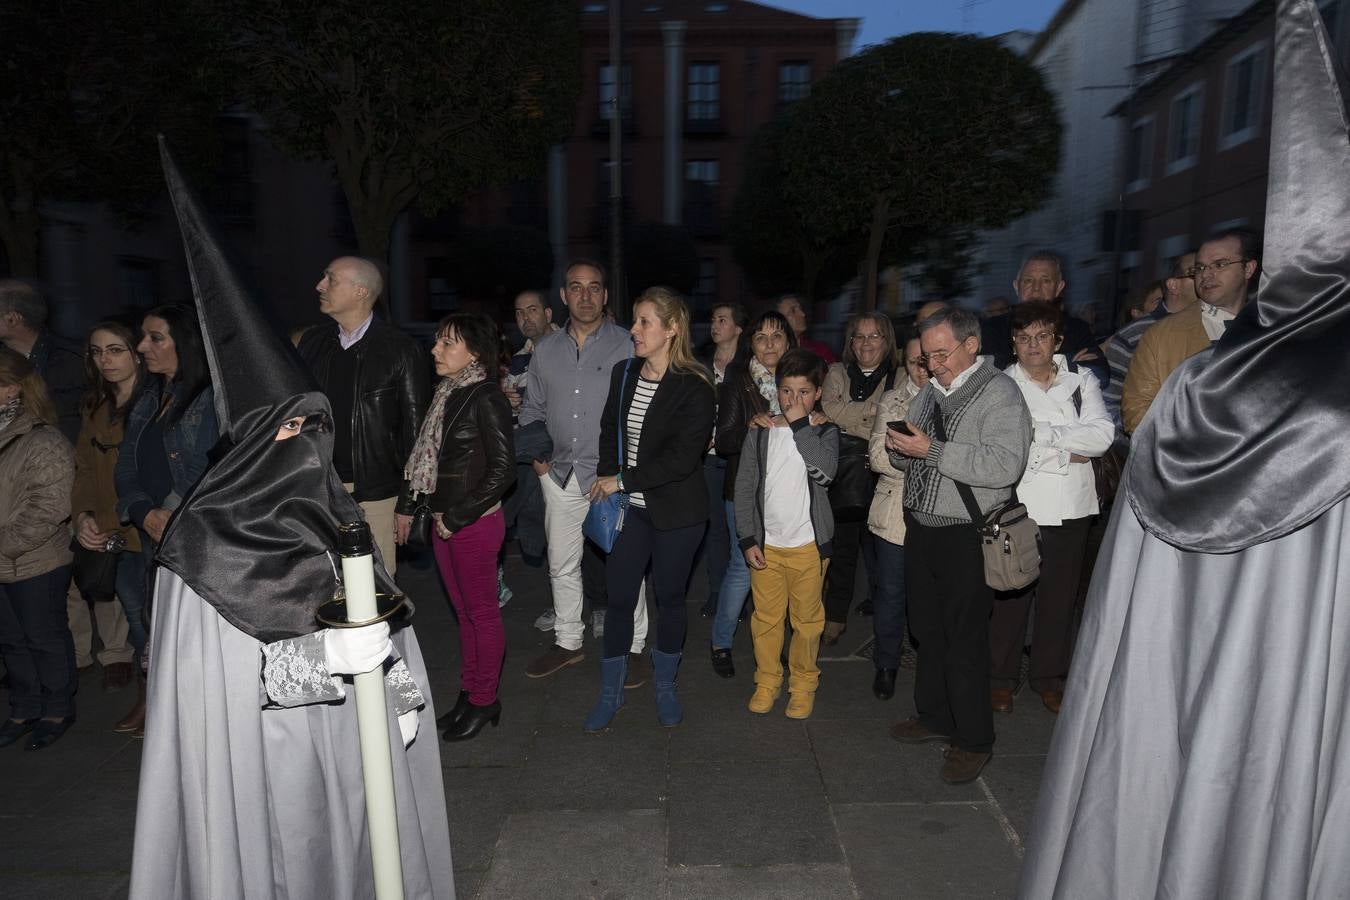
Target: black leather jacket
pixel 739 401
pixel 392 389
pixel 477 459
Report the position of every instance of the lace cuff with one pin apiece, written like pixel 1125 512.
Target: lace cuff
pixel 403 690
pixel 295 672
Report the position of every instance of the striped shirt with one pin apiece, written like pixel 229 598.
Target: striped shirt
pixel 637 414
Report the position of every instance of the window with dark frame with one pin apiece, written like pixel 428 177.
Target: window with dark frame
pixel 701 177
pixel 1139 162
pixel 1184 130
pixel 705 289
pixel 703 96
pixel 794 82
pixel 605 96
pixel 1244 96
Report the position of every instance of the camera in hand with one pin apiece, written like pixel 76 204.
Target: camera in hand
pixel 115 544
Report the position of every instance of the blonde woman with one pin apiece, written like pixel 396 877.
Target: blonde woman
pixel 662 403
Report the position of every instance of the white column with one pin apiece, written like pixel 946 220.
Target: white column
pixel 673 36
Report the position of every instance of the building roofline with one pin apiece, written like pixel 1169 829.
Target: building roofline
pixel 1057 21
pixel 1182 63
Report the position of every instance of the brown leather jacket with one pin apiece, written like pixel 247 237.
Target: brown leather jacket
pixel 37 469
pixel 95 458
pixel 1162 348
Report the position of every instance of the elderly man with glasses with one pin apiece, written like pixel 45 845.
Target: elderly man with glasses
pixel 1224 270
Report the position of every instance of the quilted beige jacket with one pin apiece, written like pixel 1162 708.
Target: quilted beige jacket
pixel 886 518
pixel 37 469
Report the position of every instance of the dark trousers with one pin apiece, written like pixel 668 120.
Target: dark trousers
pixel 849 538
pixel 671 555
pixel 1062 548
pixel 524 510
pixel 888 604
pixel 949 605
pixel 716 543
pixel 593 586
pixel 37 647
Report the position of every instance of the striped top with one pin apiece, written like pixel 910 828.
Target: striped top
pixel 637 414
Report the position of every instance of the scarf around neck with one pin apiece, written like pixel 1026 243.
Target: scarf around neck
pixel 768 388
pixel 424 461
pixel 860 385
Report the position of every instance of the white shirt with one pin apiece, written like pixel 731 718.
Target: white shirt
pixel 1052 487
pixel 959 379
pixel 1215 320
pixel 787 494
pixel 347 339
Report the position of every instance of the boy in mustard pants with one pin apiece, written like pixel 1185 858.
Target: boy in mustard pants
pixel 783 509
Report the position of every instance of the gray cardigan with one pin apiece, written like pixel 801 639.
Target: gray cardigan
pixel 819 447
pixel 988 437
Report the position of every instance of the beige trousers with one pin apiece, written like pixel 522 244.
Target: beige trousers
pixel 112 629
pixel 380 516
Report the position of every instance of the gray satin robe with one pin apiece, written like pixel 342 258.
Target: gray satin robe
pixel 241 801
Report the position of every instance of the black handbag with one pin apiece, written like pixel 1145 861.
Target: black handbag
pixel 94 572
pixel 854 482
pixel 423 518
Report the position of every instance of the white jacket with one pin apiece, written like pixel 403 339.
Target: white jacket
pixel 1053 488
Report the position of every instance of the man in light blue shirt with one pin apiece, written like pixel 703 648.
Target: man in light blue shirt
pixel 569 383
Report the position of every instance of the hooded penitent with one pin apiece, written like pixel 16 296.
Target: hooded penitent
pixel 1253 445
pixel 266 511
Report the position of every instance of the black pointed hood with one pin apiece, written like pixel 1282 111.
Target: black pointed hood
pixel 1246 442
pixel 257 536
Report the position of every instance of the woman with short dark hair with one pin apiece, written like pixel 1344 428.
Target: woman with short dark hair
pixel 461 466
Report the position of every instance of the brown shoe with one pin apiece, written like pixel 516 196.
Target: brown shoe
pixel 961 766
pixel 1000 700
pixel 117 676
pixel 912 731
pixel 761 701
pixel 833 631
pixel 639 670
pixel 553 659
pixel 133 723
pixel 1052 700
pixel 800 704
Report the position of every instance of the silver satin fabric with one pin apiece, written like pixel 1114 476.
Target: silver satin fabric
pixel 1203 748
pixel 237 801
pixel 1271 410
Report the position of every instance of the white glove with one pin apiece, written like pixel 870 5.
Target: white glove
pixel 407 726
pixel 351 651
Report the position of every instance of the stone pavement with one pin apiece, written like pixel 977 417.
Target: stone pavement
pixel 727 805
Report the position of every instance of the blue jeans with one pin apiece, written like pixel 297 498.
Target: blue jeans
pixel 888 604
pixel 716 542
pixel 37 647
pixel 130 587
pixel 735 588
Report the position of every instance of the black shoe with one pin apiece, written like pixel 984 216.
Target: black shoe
pixel 11 731
pixel 722 664
pixel 473 721
pixel 883 686
pixel 459 709
pixel 865 607
pixel 46 732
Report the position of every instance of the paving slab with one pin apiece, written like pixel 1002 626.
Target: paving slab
pixel 861 763
pixel 1014 782
pixel 749 813
pixel 927 851
pixel 819 882
pixel 99 886
pixel 565 854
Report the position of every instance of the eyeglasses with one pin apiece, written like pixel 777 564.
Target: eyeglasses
pixel 937 356
pixel 1199 269
pixel 866 338
pixel 111 352
pixel 1043 337
pixel 576 289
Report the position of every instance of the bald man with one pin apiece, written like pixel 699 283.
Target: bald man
pixel 378 383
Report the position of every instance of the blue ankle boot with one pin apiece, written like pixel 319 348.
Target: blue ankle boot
pixel 668 709
pixel 612 672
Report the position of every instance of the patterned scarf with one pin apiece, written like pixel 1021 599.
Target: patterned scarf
pixel 424 461
pixel 10 411
pixel 763 380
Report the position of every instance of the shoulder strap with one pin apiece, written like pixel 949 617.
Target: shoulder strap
pixel 967 495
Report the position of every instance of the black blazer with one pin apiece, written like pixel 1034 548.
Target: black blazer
pixel 740 402
pixel 670 453
pixel 478 459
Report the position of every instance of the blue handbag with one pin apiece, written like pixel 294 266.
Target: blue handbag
pixel 604 520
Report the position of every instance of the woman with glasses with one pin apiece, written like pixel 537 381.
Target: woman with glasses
pixel 853 388
pixel 115 374
pixel 1059 490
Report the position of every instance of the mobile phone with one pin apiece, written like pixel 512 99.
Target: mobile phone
pixel 901 426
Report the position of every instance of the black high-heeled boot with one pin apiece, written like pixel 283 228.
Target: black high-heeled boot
pixel 472 722
pixel 456 712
